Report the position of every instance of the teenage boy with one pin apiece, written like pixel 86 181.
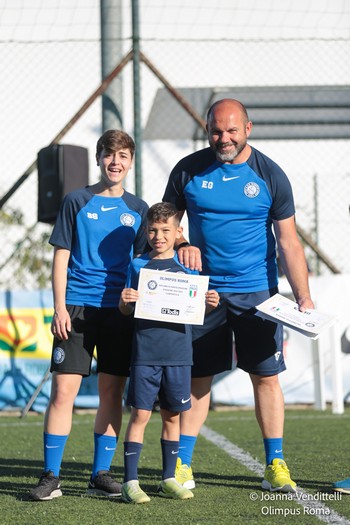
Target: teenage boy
pixel 98 230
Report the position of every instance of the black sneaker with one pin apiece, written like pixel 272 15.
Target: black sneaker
pixel 104 485
pixel 47 488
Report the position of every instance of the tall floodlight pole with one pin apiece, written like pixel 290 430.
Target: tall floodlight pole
pixel 111 54
pixel 137 93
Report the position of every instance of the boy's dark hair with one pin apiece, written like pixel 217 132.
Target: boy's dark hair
pixel 161 212
pixel 114 140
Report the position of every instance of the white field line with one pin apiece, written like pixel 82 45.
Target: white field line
pixel 303 498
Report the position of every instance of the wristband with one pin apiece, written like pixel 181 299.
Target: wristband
pixel 182 245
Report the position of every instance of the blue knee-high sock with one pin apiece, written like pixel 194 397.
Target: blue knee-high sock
pixel 132 451
pixel 105 447
pixel 170 451
pixel 186 448
pixel 273 449
pixel 53 452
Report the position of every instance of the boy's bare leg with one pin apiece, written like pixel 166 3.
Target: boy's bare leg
pixel 64 390
pixel 110 412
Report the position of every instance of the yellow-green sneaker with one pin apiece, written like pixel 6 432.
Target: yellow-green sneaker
pixel 277 477
pixel 132 492
pixel 170 488
pixel 184 475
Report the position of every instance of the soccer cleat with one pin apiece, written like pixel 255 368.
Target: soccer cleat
pixel 132 492
pixel 342 486
pixel 277 477
pixel 184 475
pixel 104 485
pixel 171 488
pixel 47 488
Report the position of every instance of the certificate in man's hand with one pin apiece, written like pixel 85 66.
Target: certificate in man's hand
pixel 171 297
pixel 282 310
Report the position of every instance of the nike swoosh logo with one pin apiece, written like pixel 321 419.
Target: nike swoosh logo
pixel 174 451
pixel 52 446
pixel 109 448
pixel 108 209
pixel 277 451
pixel 224 178
pixel 130 453
pixel 183 401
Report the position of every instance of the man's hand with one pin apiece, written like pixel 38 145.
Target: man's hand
pixel 305 303
pixel 190 257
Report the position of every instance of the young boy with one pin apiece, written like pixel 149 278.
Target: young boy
pixel 161 362
pixel 98 230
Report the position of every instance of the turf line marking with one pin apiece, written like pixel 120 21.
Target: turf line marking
pixel 255 466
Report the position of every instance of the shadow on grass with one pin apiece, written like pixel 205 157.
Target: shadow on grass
pixel 75 476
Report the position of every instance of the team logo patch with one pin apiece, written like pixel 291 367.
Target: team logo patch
pixel 58 355
pixel 251 190
pixel 152 285
pixel 127 219
pixel 277 355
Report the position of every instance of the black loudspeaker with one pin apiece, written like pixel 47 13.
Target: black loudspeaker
pixel 61 168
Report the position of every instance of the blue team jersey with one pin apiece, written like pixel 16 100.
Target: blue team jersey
pixel 102 234
pixel 230 209
pixel 156 342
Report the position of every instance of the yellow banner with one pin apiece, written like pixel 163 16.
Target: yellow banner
pixel 25 333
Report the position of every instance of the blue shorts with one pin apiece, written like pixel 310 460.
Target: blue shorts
pixel 258 342
pixel 107 330
pixel 172 385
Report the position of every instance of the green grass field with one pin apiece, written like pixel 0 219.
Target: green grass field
pixel 227 468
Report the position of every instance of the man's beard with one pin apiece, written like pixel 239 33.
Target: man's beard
pixel 228 157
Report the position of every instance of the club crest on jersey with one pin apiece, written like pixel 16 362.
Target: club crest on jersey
pixel 127 219
pixel 58 355
pixel 251 190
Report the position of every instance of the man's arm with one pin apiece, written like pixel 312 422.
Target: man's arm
pixel 293 261
pixel 189 256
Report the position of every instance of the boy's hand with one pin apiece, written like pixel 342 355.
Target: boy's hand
pixel 61 324
pixel 129 295
pixel 212 299
pixel 127 300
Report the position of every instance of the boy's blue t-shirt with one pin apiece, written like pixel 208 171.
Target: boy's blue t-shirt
pixel 156 342
pixel 102 234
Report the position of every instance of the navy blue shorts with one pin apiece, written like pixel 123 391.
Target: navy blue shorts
pixel 258 343
pixel 107 330
pixel 172 385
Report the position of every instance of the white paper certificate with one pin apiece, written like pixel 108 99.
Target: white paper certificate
pixel 171 297
pixel 282 310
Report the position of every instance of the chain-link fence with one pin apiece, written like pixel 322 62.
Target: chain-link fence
pixel 51 65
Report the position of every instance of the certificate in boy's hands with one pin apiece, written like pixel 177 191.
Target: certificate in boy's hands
pixel 282 310
pixel 172 297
